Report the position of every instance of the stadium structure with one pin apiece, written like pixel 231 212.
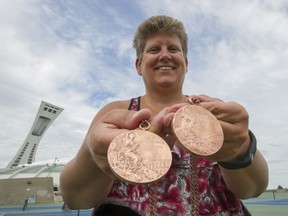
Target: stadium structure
pixel 24 179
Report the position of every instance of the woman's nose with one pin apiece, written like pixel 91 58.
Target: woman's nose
pixel 165 55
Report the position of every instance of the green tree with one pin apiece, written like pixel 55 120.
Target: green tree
pixel 279 187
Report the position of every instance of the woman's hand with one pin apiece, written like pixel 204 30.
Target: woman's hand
pixel 234 122
pixel 112 124
pixel 104 130
pixel 247 182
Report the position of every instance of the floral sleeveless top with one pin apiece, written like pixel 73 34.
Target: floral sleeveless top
pixel 173 190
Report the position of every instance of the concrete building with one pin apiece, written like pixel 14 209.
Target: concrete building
pixel 34 190
pixel 23 179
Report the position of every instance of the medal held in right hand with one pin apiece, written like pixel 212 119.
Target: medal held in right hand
pixel 197 130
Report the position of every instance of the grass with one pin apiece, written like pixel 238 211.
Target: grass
pixel 268 210
pixel 253 205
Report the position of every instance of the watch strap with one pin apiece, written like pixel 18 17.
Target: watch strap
pixel 247 159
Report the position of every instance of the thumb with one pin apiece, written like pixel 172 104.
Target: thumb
pixel 135 119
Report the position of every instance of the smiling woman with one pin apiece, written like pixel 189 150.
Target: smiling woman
pixel 82 60
pixel 163 64
pixel 195 184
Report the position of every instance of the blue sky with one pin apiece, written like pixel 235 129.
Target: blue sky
pixel 78 55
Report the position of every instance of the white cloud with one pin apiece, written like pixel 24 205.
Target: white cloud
pixel 77 55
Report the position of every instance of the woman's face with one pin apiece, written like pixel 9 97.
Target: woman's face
pixel 163 63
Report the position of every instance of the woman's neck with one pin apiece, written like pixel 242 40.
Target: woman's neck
pixel 156 102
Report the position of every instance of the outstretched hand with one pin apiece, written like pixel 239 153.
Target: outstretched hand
pixel 104 130
pixel 234 121
pixel 114 123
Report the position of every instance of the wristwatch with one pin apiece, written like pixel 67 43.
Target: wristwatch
pixel 247 159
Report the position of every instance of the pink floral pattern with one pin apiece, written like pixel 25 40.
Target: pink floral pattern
pixel 173 193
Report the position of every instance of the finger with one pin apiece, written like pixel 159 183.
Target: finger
pixel 170 140
pixel 168 119
pixel 113 124
pixel 205 98
pixel 234 132
pixel 156 123
pixel 230 112
pixel 229 130
pixel 176 107
pixel 234 139
pixel 135 120
pixel 127 119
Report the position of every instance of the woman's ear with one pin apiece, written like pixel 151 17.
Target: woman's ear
pixel 138 66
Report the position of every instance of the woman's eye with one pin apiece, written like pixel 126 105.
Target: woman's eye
pixel 153 50
pixel 174 49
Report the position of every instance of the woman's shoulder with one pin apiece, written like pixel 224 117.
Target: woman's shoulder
pixel 119 104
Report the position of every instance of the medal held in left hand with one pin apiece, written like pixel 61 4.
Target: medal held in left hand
pixel 139 156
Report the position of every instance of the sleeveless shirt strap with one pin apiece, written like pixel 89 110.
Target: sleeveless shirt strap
pixel 134 104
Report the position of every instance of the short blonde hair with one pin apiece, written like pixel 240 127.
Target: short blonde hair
pixel 156 24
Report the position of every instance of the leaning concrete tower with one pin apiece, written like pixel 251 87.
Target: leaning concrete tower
pixel 47 113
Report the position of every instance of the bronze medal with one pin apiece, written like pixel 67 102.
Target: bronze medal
pixel 197 130
pixel 139 157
